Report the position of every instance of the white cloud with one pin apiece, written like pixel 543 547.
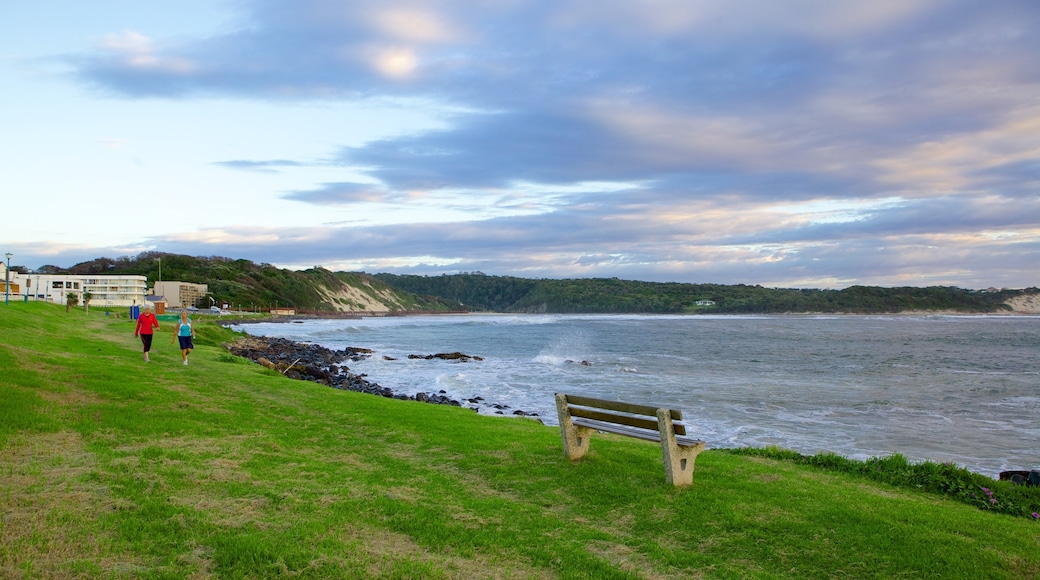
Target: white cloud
pixel 137 51
pixel 113 142
pixel 395 63
pixel 413 24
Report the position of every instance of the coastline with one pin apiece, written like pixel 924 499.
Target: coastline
pixel 318 364
pixel 1024 305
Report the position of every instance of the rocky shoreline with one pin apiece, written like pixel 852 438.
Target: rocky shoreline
pixel 318 364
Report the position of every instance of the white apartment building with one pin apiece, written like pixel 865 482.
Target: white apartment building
pixel 105 290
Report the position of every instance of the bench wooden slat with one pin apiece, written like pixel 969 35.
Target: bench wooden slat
pixel 640 422
pixel 619 406
pixel 645 434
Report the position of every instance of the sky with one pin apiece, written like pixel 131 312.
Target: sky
pixel 806 143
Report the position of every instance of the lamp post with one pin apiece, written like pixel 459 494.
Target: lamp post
pixel 7 280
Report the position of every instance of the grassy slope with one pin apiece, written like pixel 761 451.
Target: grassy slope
pixel 113 468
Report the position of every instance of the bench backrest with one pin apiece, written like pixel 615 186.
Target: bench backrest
pixel 633 415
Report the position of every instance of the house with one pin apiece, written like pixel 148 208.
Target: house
pixel 704 303
pixel 104 290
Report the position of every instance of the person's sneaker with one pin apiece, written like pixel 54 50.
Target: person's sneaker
pixel 185 362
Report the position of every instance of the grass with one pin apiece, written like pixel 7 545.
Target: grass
pixel 113 468
pixel 944 479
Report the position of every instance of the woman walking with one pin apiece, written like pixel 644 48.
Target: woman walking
pixel 146 322
pixel 185 332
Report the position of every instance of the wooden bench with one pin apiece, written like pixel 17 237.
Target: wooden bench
pixel 580 416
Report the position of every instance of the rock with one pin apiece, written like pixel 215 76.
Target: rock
pixel 455 356
pixel 1027 477
pixel 315 363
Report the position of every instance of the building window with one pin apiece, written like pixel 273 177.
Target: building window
pixel 57 284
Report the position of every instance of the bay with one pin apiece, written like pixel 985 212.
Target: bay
pixel 964 389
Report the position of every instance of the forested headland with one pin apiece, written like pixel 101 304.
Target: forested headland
pixel 481 292
pixel 247 284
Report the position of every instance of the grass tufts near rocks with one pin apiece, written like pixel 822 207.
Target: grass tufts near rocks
pixel 113 468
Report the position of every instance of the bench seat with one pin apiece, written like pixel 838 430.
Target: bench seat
pixel 636 432
pixel 581 416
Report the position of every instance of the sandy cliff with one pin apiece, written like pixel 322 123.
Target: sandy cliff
pixel 1025 304
pixel 349 298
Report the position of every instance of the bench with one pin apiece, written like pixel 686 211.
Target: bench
pixel 580 416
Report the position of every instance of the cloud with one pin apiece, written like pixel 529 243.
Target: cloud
pixel 113 142
pixel 340 193
pixel 747 141
pixel 888 247
pixel 135 51
pixel 557 248
pixel 268 166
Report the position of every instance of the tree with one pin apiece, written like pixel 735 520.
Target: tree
pixel 71 300
pixel 86 300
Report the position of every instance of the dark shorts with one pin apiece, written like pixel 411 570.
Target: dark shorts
pixel 185 342
pixel 146 340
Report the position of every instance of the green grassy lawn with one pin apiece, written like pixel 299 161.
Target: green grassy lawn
pixel 110 467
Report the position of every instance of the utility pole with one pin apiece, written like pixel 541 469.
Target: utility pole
pixel 7 280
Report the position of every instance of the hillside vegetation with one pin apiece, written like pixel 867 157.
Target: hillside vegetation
pixel 248 285
pixel 611 295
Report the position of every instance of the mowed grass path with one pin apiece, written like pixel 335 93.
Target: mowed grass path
pixel 111 468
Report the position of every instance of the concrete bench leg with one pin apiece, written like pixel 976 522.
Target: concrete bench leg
pixel 575 438
pixel 678 461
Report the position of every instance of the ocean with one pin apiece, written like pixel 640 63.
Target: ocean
pixel 964 389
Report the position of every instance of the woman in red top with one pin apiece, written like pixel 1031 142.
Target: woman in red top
pixel 145 323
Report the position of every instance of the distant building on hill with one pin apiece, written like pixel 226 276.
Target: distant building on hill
pixel 105 290
pixel 181 294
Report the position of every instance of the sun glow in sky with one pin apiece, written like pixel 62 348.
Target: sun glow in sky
pixel 808 144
